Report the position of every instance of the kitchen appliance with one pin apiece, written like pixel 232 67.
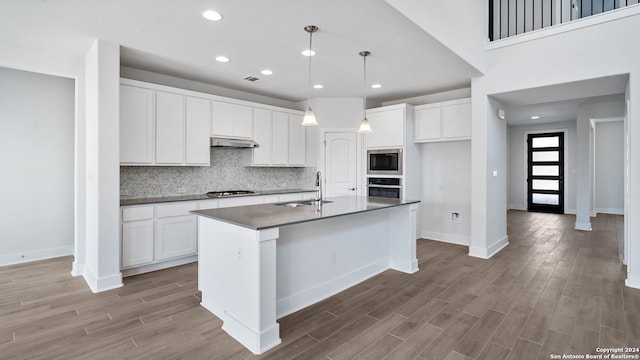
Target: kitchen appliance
pixel 384 162
pixel 236 143
pixel 384 187
pixel 228 193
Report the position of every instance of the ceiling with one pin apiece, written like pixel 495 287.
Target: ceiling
pixel 558 103
pixel 171 37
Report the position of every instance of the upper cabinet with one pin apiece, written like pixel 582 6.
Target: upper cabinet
pixel 445 121
pixel 281 138
pixel 389 126
pixel 231 120
pixel 162 128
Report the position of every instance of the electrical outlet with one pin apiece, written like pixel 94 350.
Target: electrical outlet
pixel 334 258
pixel 456 216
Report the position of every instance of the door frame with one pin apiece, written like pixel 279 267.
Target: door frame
pixel 322 166
pixel 565 132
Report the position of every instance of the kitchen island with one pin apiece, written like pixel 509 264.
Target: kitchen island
pixel 261 262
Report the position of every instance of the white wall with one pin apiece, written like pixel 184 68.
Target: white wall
pixel 446 187
pixel 36 147
pixel 517 179
pixel 609 167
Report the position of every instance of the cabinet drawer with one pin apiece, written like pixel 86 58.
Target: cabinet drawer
pixel 137 213
pixel 207 204
pixel 181 208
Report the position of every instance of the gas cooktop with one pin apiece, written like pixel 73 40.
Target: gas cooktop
pixel 227 193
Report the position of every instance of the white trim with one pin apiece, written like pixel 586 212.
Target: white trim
pixel 35 255
pixel 77 268
pixel 159 266
pixel 610 211
pixel 633 280
pixel 570 211
pixel 103 284
pixel 487 253
pixel 583 226
pixel 447 238
pixel 611 15
pixel 522 207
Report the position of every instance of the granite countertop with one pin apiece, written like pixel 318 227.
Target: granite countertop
pixel 153 200
pixel 264 216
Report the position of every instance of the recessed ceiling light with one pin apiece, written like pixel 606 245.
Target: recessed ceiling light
pixel 222 59
pixel 266 72
pixel 376 86
pixel 535 117
pixel 318 86
pixel 212 15
pixel 308 52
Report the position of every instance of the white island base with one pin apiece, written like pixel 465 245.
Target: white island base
pixel 251 277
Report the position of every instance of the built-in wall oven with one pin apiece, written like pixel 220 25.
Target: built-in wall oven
pixel 384 162
pixel 388 187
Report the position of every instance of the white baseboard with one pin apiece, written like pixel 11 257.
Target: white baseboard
pixel 35 255
pixel 633 280
pixel 486 253
pixel 610 211
pixel 159 266
pixel 570 211
pixel 295 302
pixel 77 268
pixel 584 226
pixel 448 238
pixel 516 207
pixel 101 284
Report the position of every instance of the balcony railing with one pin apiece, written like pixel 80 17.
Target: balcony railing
pixel 512 17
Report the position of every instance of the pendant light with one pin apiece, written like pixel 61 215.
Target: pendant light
pixel 364 124
pixel 309 118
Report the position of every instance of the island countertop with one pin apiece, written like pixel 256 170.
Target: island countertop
pixel 264 216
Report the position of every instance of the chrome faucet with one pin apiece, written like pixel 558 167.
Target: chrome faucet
pixel 319 185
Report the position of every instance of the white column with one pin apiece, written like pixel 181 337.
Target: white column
pixel 632 179
pixel 102 251
pixel 402 238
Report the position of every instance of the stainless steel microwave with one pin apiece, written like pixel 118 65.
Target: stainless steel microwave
pixel 384 162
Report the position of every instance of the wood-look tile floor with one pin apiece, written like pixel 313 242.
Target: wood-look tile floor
pixel 553 290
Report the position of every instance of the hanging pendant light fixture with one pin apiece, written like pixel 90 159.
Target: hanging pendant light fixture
pixel 364 124
pixel 309 117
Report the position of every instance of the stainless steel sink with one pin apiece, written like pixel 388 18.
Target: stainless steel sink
pixel 295 204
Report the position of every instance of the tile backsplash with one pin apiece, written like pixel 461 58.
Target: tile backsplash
pixel 227 172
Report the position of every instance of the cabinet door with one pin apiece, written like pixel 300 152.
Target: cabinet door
pixel 428 123
pixel 242 122
pixel 297 141
pixel 197 131
pixel 263 135
pixel 222 120
pixel 169 128
pixel 175 237
pixel 136 125
pixel 137 243
pixel 456 121
pixel 280 138
pixel 388 129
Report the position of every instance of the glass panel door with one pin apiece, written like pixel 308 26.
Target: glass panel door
pixel 545 164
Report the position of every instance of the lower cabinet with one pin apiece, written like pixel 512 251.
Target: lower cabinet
pixel 176 236
pixel 137 243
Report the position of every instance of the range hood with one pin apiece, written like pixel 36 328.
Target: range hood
pixel 236 143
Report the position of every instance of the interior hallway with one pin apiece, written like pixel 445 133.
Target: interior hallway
pixel 552 290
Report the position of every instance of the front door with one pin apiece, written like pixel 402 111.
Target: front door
pixel 340 163
pixel 545 181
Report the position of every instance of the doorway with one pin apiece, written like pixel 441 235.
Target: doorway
pixel 545 172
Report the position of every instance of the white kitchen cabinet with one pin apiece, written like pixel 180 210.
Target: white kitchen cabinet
pixel 297 141
pixel 198 121
pixel 263 135
pixel 162 128
pixel 388 127
pixel 231 120
pixel 281 138
pixel 170 128
pixel 175 237
pixel 137 118
pixel 137 235
pixel 445 121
